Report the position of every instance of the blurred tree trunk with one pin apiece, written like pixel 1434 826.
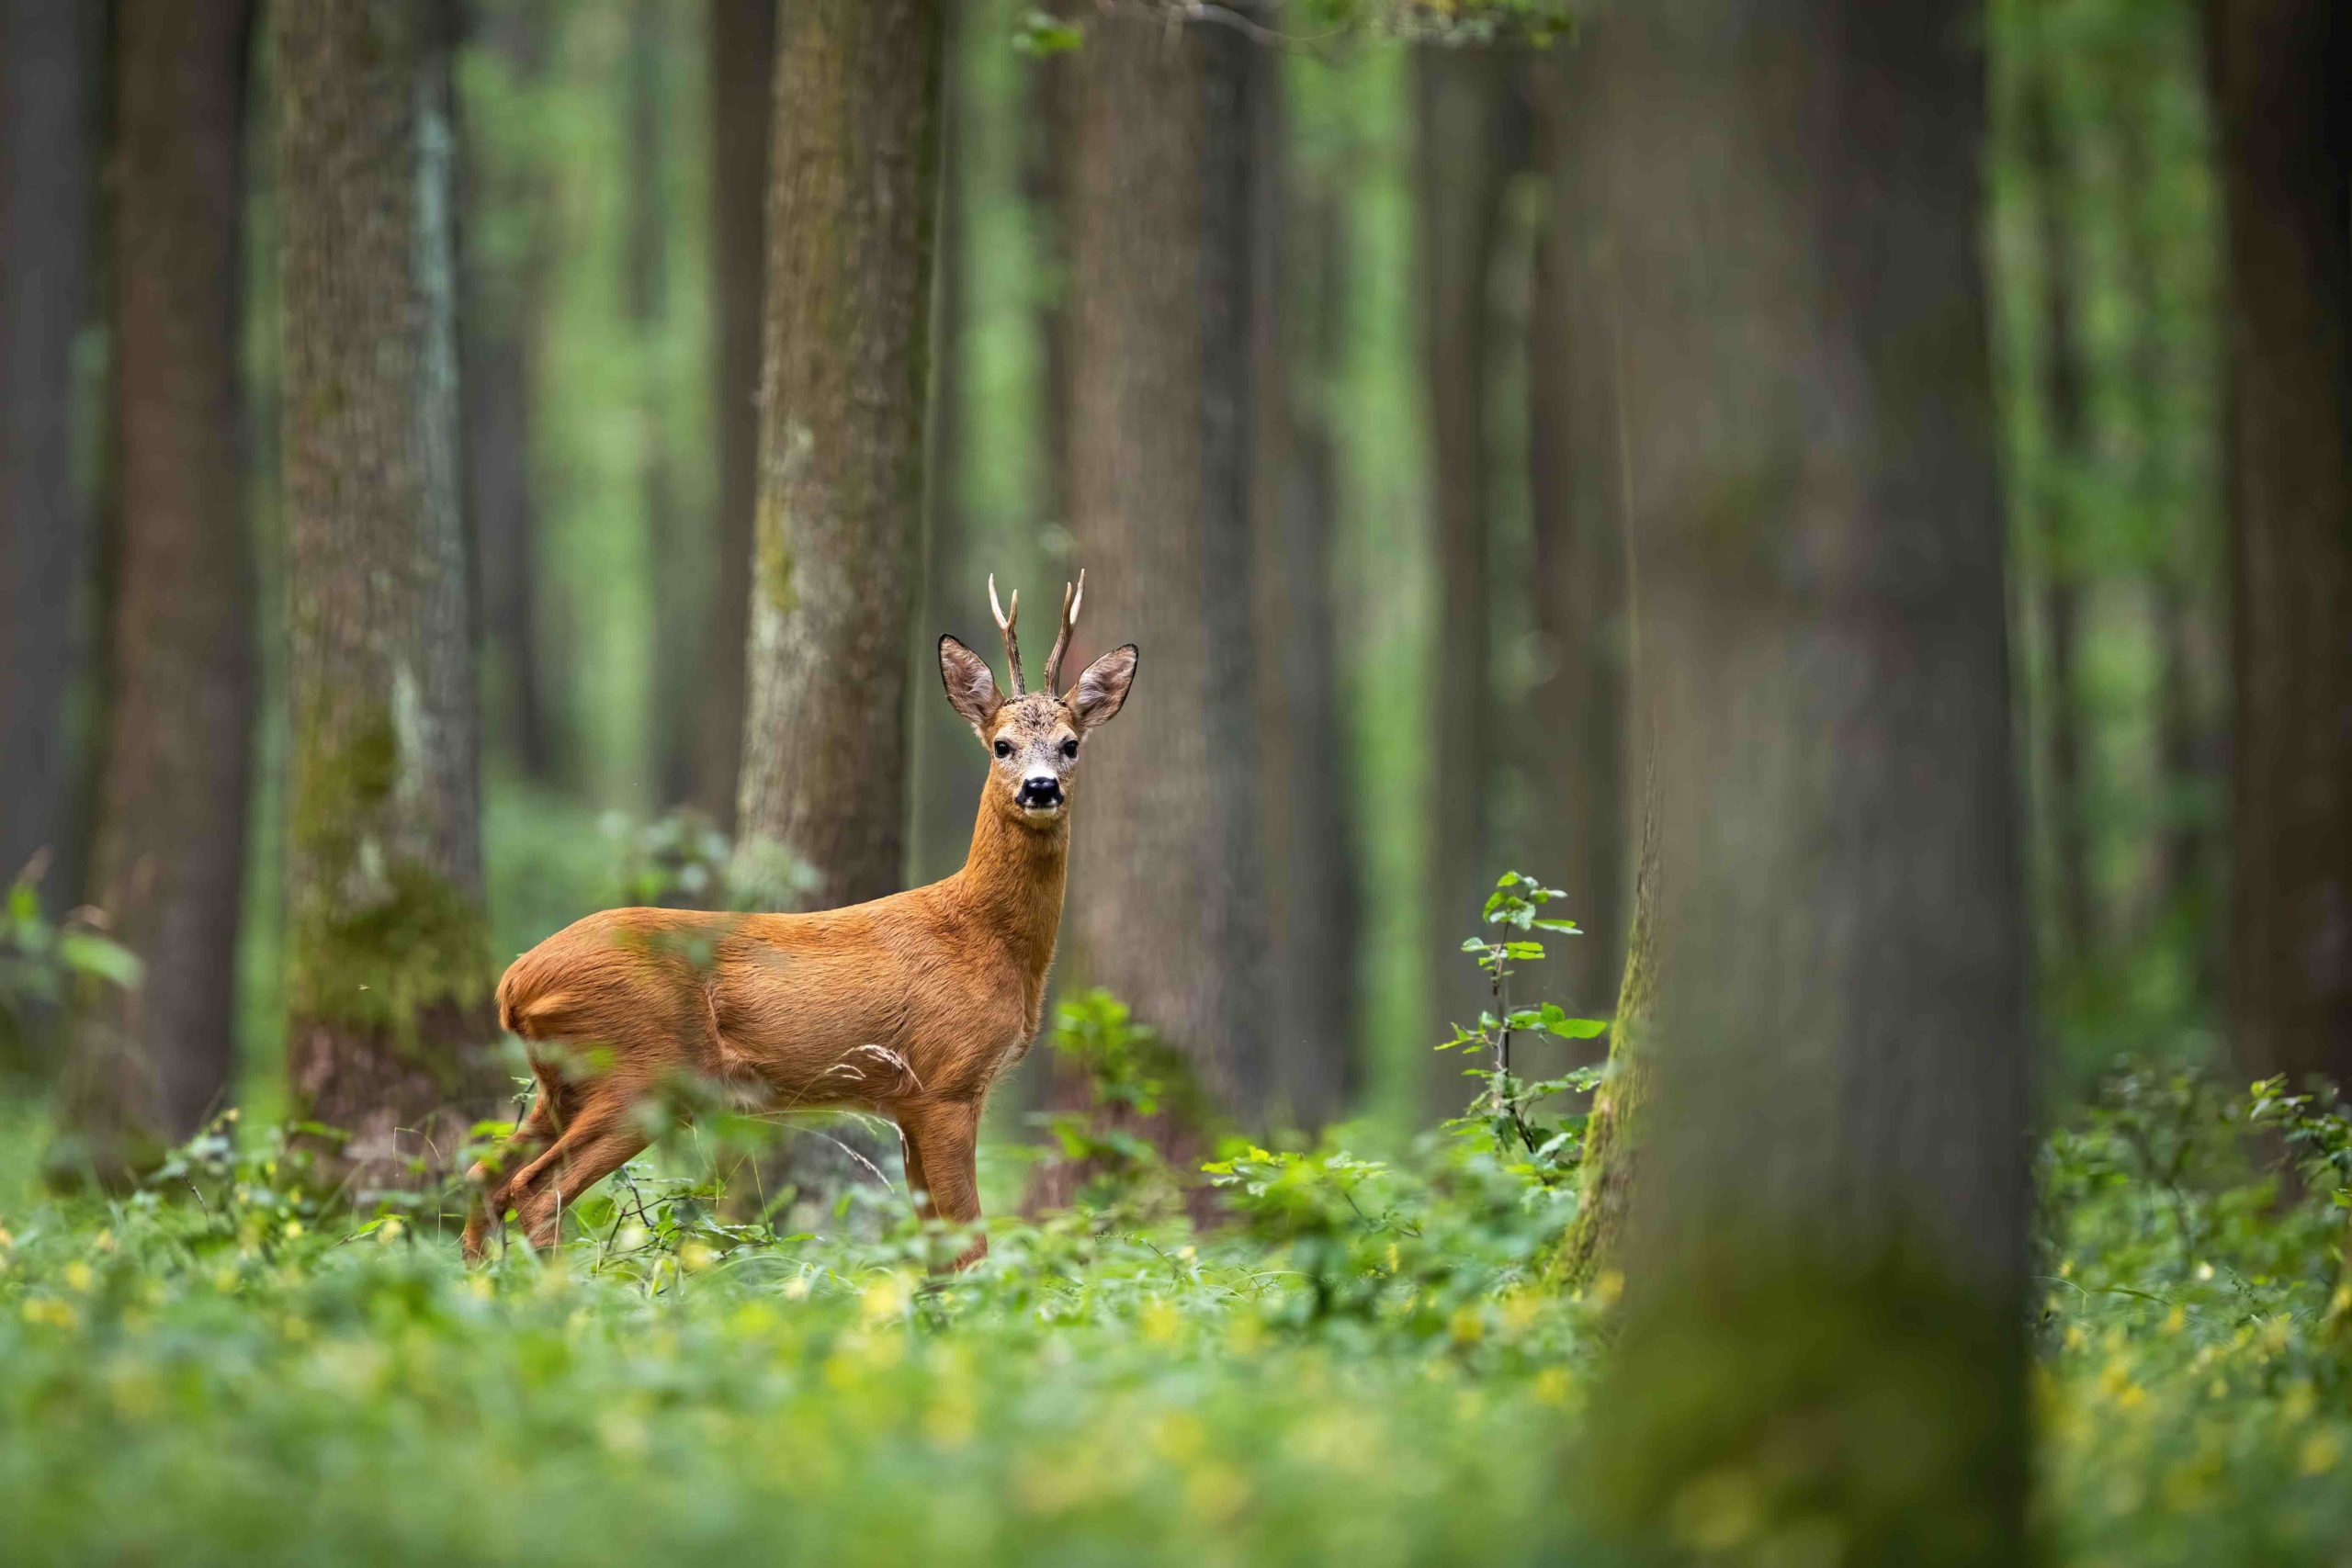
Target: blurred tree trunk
pixel 944 756
pixel 1304 812
pixel 1576 712
pixel 389 976
pixel 850 206
pixel 680 550
pixel 2061 596
pixel 1830 1230
pixel 44 260
pixel 2184 873
pixel 505 322
pixel 1156 224
pixel 2279 69
pixel 151 1063
pixel 741 37
pixel 1051 88
pixel 1466 120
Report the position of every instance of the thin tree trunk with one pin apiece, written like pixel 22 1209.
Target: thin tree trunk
pixel 742 35
pixel 168 869
pixel 1304 812
pixel 1463 113
pixel 44 248
pixel 2279 67
pixel 388 954
pixel 850 206
pixel 1156 228
pixel 941 795
pixel 2061 594
pixel 1830 1231
pixel 505 322
pixel 1576 712
pixel 681 562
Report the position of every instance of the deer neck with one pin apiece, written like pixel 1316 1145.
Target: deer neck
pixel 1011 882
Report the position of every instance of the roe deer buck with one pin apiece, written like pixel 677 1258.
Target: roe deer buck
pixel 909 1006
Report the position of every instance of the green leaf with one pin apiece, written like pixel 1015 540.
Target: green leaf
pixel 86 953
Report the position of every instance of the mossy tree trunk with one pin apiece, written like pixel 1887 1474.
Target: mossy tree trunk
pixel 389 965
pixel 168 867
pixel 852 192
pixel 1164 902
pixel 2279 69
pixel 1610 1147
pixel 1824 1337
pixel 44 244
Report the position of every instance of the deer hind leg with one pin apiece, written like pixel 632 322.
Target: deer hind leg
pixel 598 1141
pixel 946 1138
pixel 490 1180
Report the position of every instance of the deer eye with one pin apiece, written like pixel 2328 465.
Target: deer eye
pixel 1004 747
pixel 1070 747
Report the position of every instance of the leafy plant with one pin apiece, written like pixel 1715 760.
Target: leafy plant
pixel 1508 1110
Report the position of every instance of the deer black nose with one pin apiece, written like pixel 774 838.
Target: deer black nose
pixel 1041 791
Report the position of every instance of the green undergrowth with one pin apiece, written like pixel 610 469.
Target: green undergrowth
pixel 1364 1359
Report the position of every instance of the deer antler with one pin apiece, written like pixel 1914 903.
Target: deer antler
pixel 1004 620
pixel 1071 595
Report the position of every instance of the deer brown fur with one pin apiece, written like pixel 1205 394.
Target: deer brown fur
pixel 908 1006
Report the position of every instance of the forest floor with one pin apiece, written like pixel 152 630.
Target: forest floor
pixel 1367 1366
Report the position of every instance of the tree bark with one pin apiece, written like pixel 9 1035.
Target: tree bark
pixel 1830 1232
pixel 1164 899
pixel 44 248
pixel 504 324
pixel 1465 115
pixel 742 81
pixel 1305 813
pixel 2062 544
pixel 853 189
pixel 168 868
pixel 1610 1151
pixel 2279 69
pixel 1576 712
pixel 388 952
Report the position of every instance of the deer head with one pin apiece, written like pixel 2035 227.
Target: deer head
pixel 1035 738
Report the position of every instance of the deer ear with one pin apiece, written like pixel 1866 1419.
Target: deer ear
pixel 1102 689
pixel 971 690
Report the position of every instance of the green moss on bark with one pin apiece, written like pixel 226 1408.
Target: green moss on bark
pixel 378 936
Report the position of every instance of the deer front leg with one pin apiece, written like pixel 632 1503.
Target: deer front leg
pixel 943 1141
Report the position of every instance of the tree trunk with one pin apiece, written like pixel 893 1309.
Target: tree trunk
pixel 1610 1153
pixel 1157 230
pixel 2280 68
pixel 741 36
pixel 388 954
pixel 1304 810
pixel 1830 1232
pixel 44 246
pixel 168 869
pixel 851 194
pixel 943 756
pixel 1576 712
pixel 681 554
pixel 1463 113
pixel 504 324
pixel 2062 544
